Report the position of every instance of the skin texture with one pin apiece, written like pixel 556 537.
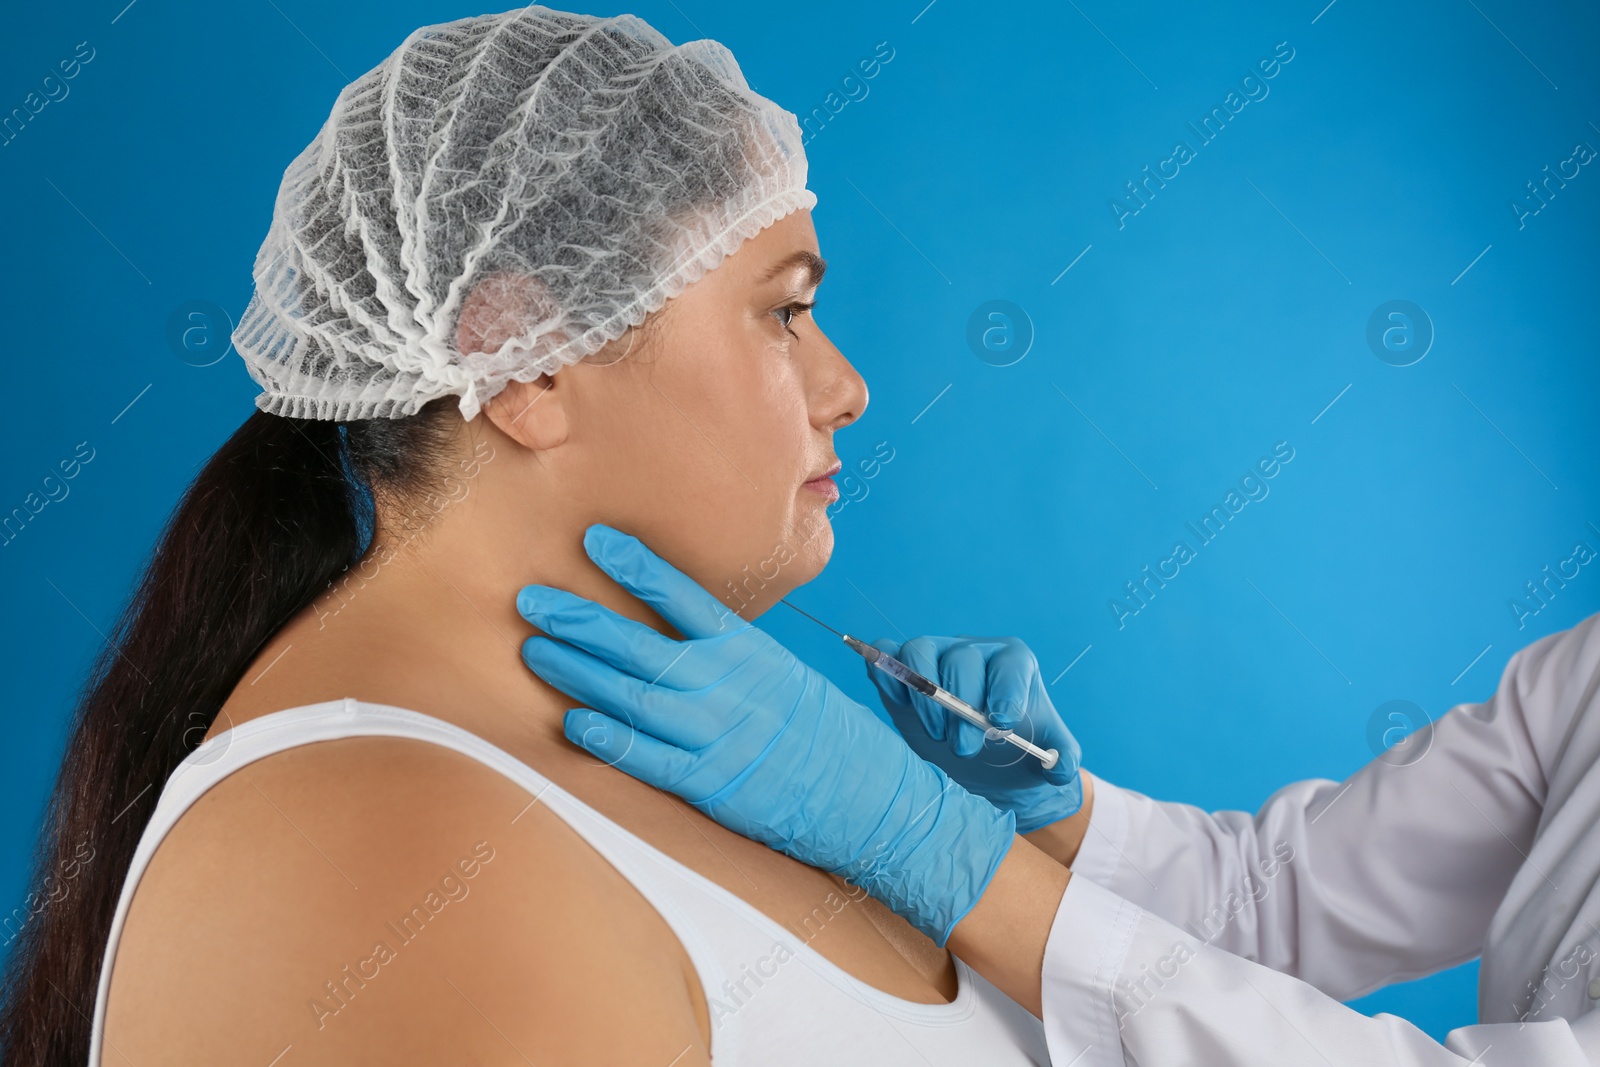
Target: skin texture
pixel 698 439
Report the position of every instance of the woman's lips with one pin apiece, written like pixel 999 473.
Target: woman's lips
pixel 824 485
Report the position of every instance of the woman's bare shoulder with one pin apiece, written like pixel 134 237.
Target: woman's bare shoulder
pixel 391 900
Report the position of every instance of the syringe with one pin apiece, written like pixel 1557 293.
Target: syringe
pixel 894 668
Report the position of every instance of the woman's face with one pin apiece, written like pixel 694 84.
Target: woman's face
pixel 702 440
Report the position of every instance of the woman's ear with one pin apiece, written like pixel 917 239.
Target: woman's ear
pixel 531 413
pixel 501 306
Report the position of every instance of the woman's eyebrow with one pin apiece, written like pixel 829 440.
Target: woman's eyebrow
pixel 814 264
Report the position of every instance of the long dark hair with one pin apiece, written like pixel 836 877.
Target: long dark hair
pixel 274 518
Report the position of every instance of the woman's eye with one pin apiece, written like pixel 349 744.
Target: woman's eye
pixel 787 313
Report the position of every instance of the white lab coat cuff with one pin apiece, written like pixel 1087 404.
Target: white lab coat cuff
pixel 1088 942
pixel 1100 855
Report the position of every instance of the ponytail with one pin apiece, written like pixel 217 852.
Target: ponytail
pixel 270 521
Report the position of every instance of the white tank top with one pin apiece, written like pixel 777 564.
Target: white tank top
pixel 774 1001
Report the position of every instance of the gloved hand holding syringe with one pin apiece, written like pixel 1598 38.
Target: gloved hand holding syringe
pixel 729 720
pixel 933 691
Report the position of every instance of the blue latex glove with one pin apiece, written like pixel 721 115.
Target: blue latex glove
pixel 999 676
pixel 732 722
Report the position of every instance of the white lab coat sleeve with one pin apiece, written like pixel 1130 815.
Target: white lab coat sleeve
pixel 1122 987
pixel 1387 876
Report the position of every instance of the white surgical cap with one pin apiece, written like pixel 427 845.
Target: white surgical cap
pixel 588 154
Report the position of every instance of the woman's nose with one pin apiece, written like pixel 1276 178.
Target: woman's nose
pixel 842 395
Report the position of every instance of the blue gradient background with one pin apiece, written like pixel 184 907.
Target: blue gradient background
pixel 1222 318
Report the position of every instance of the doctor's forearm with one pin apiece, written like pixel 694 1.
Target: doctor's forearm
pixel 1003 937
pixel 1061 840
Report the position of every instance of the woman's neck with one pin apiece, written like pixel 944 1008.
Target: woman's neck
pixel 429 622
